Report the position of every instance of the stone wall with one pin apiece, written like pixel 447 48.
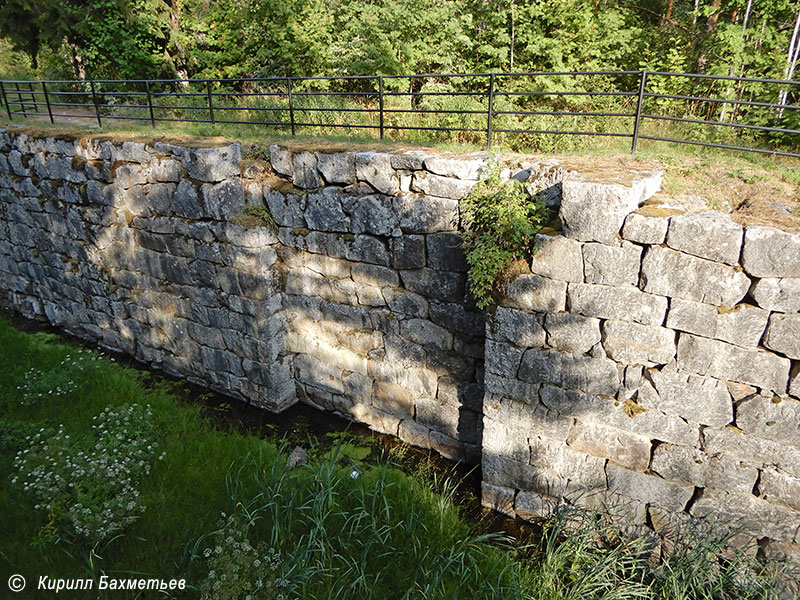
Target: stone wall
pixel 648 363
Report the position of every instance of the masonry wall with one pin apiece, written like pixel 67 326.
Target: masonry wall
pixel 649 362
pixel 650 365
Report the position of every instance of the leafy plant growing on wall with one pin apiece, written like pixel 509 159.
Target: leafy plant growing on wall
pixel 500 222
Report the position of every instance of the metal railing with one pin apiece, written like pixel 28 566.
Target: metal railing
pixel 694 108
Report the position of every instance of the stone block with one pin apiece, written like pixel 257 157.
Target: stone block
pixel 794 381
pixel 690 465
pixel 510 388
pixel 223 200
pixel 337 167
pixel 376 169
pixel 777 487
pixel 534 506
pixel 516 327
pixel 374 275
pixel 426 333
pixel 628 449
pixel 742 326
pixel 594 212
pixel 441 187
pixel 725 361
pixel 458 167
pixel 324 211
pixel 406 303
pixel 445 253
pixel 212 164
pixel 410 160
pixel 582 373
pixel 502 359
pixel 366 248
pixel 748 513
pixel 782 295
pixel 393 399
pixel 415 434
pixel 612 265
pixel 498 498
pixel 500 440
pixel 441 285
pixel 622 303
pixel 764 453
pixel 529 418
pixel 554 456
pixel 633 343
pixel 645 229
pixel 770 252
pixel 425 214
pixel 648 488
pixel 697 399
pixel 710 235
pixel 557 257
pixel 569 333
pixel 670 273
pixel 770 417
pixel 408 252
pixel 448 447
pixel 783 335
pixel 458 319
pixel 535 293
pixel 374 214
pixel 281 160
pixel 304 171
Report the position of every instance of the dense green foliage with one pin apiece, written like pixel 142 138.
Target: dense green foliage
pixel 500 222
pixel 257 38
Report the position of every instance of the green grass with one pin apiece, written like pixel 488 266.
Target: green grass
pixel 314 531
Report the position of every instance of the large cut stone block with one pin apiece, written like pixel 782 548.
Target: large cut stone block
pixel 281 160
pixel 376 169
pixel 675 274
pixel 445 253
pixel 725 361
pixel 224 200
pixel 443 187
pixel 697 399
pixel 645 229
pixel 690 465
pixel 324 211
pixel 770 252
pixel 731 441
pixel 338 167
pixel 569 333
pixel 648 488
pixel 782 295
pixel 442 285
pixel 622 303
pixel 425 214
pixel 558 258
pixel 304 172
pixel 458 167
pixel 612 265
pixel 628 449
pixel 633 343
pixel 743 326
pixel 212 164
pixel 770 417
pixel 502 359
pixel 710 235
pixel 535 293
pixel 583 373
pixel 783 335
pixel 779 488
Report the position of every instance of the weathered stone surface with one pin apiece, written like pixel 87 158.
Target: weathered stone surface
pixel 779 488
pixel 670 273
pixel 212 164
pixel 421 214
pixel 458 167
pixel 745 511
pixel 725 361
pixel 695 398
pixel 783 335
pixel 526 418
pixel 645 229
pixel 502 359
pixel 782 295
pixel 408 252
pixel 569 333
pixel 634 343
pixel 407 303
pixel 622 303
pixel 710 235
pixel 557 258
pixel 548 454
pixel 324 211
pixel 770 417
pixel 583 373
pixel 376 169
pixel 445 253
pixel 516 327
pixel 366 248
pixel 648 488
pixel 535 293
pixel 594 212
pixel 441 285
pixel 794 381
pixel 223 200
pixel 752 448
pixel 628 449
pixel 281 160
pixel 770 252
pixel 509 387
pixel 337 167
pixel 690 465
pixel 743 326
pixel 612 265
pixel 304 171
pixel 374 214
pixel 410 160
pixel 498 498
pixel 442 187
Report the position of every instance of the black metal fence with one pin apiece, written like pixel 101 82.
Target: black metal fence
pixel 737 113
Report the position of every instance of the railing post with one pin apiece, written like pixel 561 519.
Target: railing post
pixel 210 104
pixel 21 103
pixel 489 111
pixel 380 89
pixel 639 103
pixel 150 103
pixel 47 101
pixel 96 106
pixel 33 97
pixel 291 108
pixel 5 101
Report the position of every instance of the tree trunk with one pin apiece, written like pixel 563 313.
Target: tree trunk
pixel 791 61
pixel 668 12
pixel 711 25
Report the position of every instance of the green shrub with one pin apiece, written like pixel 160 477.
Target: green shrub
pixel 500 223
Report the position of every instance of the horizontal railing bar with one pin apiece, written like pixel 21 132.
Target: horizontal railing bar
pixel 562 113
pixel 278 123
pixel 725 77
pixel 336 125
pixel 556 132
pixel 399 127
pixel 721 124
pixel 216 107
pixel 435 112
pixel 711 145
pixel 566 93
pixel 739 102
